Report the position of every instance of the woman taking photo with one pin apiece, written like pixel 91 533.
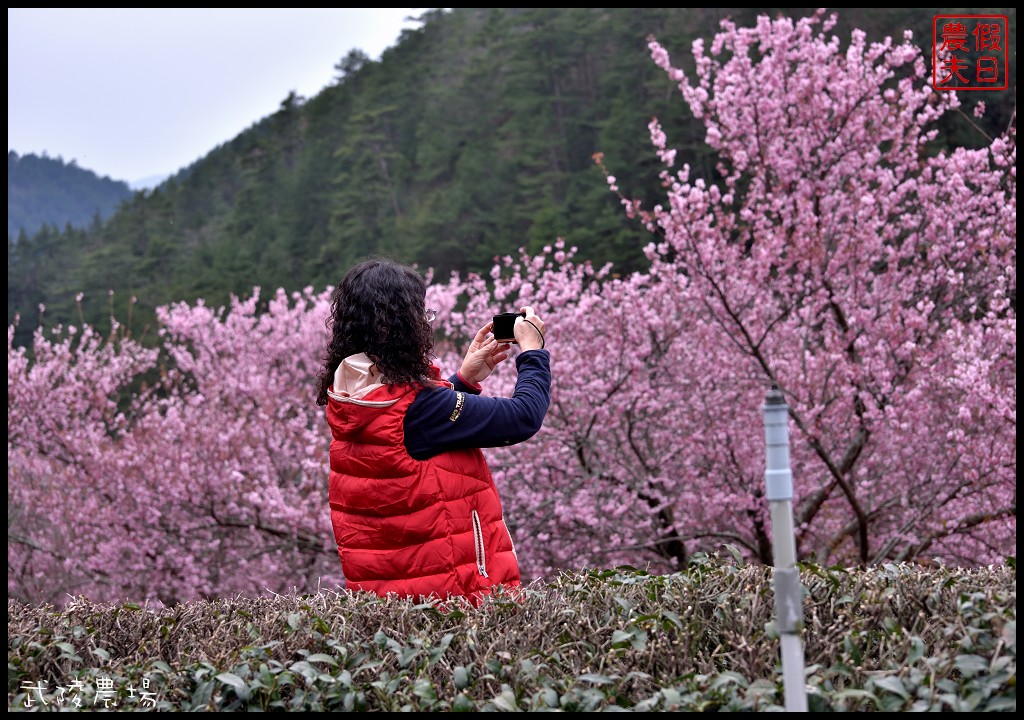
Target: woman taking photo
pixel 413 505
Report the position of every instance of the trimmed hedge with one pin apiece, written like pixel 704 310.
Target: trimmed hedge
pixel 890 638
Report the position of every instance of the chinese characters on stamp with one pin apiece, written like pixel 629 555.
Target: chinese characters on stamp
pixel 969 52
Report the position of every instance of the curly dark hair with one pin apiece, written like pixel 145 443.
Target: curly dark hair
pixel 378 309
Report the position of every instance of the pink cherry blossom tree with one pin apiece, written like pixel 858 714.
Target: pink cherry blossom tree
pixel 210 482
pixel 64 425
pixel 833 256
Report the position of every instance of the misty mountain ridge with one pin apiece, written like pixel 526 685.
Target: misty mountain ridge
pixel 44 190
pixel 148 183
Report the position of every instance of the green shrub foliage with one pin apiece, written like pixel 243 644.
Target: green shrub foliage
pixel 890 638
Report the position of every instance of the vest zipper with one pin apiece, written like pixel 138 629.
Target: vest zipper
pixel 478 545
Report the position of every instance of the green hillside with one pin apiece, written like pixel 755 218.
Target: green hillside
pixel 472 136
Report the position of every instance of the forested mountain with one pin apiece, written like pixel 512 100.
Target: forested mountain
pixel 42 190
pixel 472 136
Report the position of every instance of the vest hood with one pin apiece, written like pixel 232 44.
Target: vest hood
pixel 358 395
pixel 355 378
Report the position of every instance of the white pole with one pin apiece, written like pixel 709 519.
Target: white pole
pixel 788 592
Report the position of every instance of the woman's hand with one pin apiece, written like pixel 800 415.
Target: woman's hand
pixel 483 355
pixel 529 330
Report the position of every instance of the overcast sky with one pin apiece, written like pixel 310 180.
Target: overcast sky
pixel 133 93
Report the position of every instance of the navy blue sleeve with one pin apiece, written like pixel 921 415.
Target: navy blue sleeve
pixel 444 419
pixel 461 386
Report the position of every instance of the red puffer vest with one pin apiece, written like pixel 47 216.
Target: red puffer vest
pixel 410 527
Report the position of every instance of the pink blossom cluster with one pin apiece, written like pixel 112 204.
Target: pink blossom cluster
pixel 193 472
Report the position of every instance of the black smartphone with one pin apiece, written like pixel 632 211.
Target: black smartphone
pixel 504 329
